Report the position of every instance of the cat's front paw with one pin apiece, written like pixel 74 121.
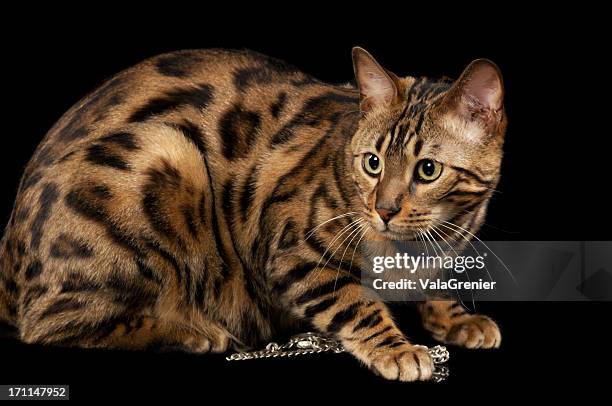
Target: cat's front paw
pixel 473 331
pixel 405 363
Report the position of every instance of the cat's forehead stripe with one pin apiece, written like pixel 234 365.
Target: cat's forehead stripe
pixel 419 98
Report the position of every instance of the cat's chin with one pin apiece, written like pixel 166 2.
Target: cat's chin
pixel 395 235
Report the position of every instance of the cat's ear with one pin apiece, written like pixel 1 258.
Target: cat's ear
pixel 377 86
pixel 479 93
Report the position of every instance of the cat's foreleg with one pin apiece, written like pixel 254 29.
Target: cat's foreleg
pixel 332 301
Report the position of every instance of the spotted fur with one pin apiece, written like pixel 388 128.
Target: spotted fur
pixel 175 206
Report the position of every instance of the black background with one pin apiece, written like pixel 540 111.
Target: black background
pixel 554 176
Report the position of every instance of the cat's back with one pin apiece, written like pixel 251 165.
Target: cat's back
pixel 233 95
pixel 169 83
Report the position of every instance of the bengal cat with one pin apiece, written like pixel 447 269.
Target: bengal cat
pixel 178 205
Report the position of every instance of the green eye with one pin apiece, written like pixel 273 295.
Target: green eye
pixel 428 170
pixel 372 164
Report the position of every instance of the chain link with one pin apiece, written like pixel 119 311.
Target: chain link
pixel 311 343
pixel 303 344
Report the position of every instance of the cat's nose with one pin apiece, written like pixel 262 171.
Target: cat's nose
pixel 386 213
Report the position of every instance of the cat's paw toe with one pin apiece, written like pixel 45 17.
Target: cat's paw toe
pixel 474 331
pixel 199 345
pixel 405 363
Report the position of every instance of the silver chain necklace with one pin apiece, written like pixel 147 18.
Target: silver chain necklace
pixel 311 343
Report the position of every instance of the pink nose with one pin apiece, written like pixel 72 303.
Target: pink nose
pixel 386 214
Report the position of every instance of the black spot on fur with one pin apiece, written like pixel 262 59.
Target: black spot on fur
pixel 343 317
pixel 417 147
pixel 277 107
pixel 200 290
pixel 21 249
pixel 89 202
pixel 76 127
pixel 77 332
pixel 228 208
pixel 11 286
pixel 114 100
pixel 178 64
pixel 32 293
pixel 66 247
pixel 267 71
pixel 388 341
pixel 61 306
pixel 326 288
pixel 101 192
pixel 47 199
pixel 193 134
pixel 294 275
pixel 107 105
pixel 238 128
pixel 248 194
pixel 21 214
pixel 289 236
pixel 45 155
pixel 371 320
pixel 197 97
pixel 156 247
pixel 34 269
pixel 131 294
pixel 161 181
pixel 122 139
pixel 315 111
pixel 313 310
pixel 245 77
pixel 30 180
pixel 378 333
pixel 146 271
pixel 188 214
pixel 101 155
pixel 78 283
pixel 304 81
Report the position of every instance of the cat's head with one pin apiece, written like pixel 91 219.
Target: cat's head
pixel 427 153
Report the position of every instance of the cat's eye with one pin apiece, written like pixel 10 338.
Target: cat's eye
pixel 428 170
pixel 372 164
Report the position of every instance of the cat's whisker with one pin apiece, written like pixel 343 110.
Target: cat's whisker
pixel 350 226
pixel 462 236
pixel 424 245
pixel 432 246
pixel 314 229
pixel 487 247
pixel 319 270
pixel 357 232
pixel 366 229
pixel 435 230
pixel 429 243
pixel 337 236
pixel 442 252
pixel 355 228
pixel 471 244
pixel 423 239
